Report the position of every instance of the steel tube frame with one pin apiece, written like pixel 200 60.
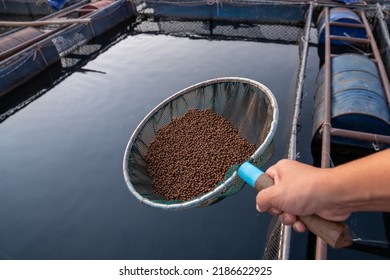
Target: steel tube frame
pixel 363 136
pixel 286 230
pixel 321 247
pixel 327 130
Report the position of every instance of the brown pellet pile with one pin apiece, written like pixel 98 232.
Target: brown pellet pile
pixel 191 155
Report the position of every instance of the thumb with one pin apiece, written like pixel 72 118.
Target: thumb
pixel 263 200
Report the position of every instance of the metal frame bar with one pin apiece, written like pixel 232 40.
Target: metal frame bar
pixel 327 130
pixel 321 247
pixel 350 39
pixel 286 230
pixel 347 24
pixel 360 135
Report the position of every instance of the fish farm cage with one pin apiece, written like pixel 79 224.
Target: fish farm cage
pixel 284 22
pixel 27 51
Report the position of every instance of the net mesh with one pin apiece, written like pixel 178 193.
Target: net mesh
pixel 278 33
pixel 247 105
pixel 272 250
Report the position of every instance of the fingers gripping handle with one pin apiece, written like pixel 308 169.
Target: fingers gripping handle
pixel 335 234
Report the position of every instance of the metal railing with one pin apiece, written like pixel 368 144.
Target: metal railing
pixel 327 130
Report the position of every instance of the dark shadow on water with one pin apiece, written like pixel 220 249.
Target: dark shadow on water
pixel 362 225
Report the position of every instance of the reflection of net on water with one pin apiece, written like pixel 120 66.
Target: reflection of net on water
pixel 80 54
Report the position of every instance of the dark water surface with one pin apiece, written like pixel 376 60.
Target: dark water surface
pixel 62 192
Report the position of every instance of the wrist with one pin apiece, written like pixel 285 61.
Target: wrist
pixel 347 191
pixel 337 195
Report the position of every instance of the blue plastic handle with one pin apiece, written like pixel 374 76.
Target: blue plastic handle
pixel 249 173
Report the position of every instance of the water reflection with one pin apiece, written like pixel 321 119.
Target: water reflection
pixel 62 193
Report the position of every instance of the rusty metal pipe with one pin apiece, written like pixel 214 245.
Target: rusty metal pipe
pixel 350 39
pixel 347 24
pixel 321 247
pixel 358 135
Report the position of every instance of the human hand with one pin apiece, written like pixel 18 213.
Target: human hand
pixel 300 190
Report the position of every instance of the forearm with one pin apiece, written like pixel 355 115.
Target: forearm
pixel 332 193
pixel 364 184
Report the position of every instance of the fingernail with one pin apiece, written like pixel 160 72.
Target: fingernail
pixel 258 208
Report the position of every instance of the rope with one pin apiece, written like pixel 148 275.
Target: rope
pixel 331 163
pixel 42 55
pixel 93 31
pixel 44 22
pixel 212 2
pixel 325 124
pixel 375 144
pixel 218 2
pixel 39 2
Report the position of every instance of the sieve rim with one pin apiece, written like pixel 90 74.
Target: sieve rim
pixel 197 201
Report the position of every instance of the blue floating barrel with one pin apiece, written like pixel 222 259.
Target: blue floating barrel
pixel 340 15
pixel 358 100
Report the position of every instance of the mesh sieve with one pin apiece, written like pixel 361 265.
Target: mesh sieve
pixel 247 104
